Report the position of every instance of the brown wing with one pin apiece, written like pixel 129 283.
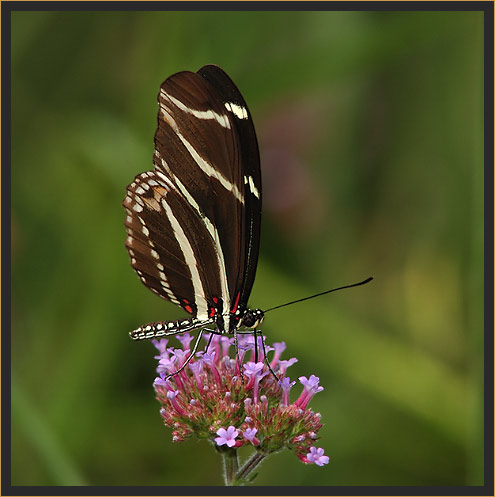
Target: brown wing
pixel 194 215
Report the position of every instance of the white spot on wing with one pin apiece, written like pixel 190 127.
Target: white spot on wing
pixel 253 188
pixel 238 111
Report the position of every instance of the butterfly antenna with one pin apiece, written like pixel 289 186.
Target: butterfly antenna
pixel 367 280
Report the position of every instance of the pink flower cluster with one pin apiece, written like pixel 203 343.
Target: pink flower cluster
pixel 212 400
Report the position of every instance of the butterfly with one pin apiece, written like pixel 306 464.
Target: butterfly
pixel 193 222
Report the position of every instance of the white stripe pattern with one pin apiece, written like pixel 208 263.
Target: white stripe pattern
pixel 188 252
pixel 223 120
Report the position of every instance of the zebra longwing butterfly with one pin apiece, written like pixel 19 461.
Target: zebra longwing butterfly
pixel 193 222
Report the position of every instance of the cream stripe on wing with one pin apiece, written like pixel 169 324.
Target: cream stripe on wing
pixel 221 119
pixel 187 250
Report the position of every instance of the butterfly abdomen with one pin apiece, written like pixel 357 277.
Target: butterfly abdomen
pixel 168 328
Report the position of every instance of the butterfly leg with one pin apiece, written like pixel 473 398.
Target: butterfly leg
pixel 255 334
pixel 266 358
pixel 209 339
pixel 238 361
pixel 191 355
pixel 256 345
pixel 212 332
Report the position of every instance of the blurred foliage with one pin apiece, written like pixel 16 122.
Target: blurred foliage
pixel 371 134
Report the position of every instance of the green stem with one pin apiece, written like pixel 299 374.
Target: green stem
pixel 249 465
pixel 230 466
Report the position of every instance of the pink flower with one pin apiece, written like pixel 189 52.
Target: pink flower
pixel 279 347
pixel 161 346
pixel 310 388
pixel 286 385
pixel 185 339
pixel 250 435
pixel 251 368
pixel 283 365
pixel 227 436
pixel 212 400
pixel 316 455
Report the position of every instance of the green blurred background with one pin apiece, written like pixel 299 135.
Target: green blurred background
pixel 371 134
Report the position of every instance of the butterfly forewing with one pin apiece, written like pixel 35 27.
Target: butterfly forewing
pixel 193 223
pixel 247 156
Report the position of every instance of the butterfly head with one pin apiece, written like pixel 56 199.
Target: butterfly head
pixel 252 318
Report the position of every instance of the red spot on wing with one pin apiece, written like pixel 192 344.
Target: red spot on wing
pixel 215 299
pixel 212 312
pixel 188 308
pixel 236 303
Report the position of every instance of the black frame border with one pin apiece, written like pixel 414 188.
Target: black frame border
pixel 7 7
